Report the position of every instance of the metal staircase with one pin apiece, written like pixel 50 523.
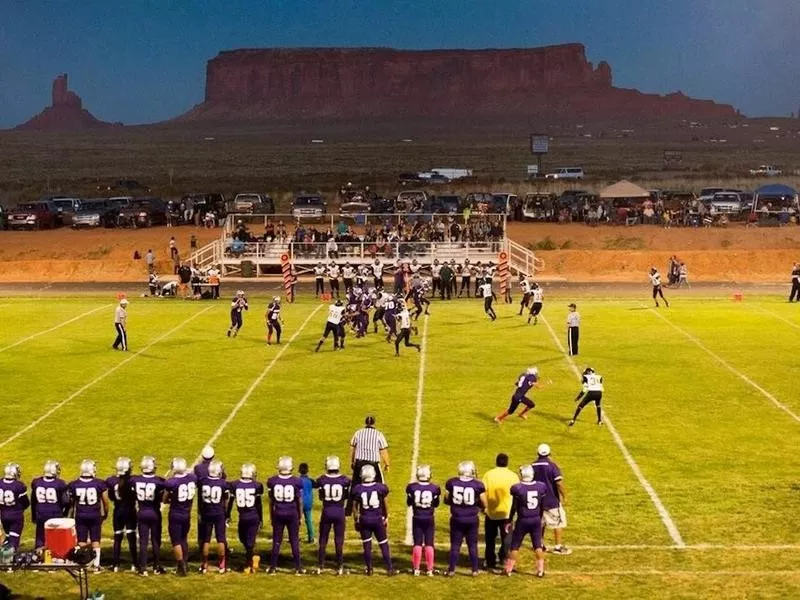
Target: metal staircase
pixel 522 260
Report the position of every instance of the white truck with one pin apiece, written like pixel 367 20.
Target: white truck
pixel 446 173
pixel 766 171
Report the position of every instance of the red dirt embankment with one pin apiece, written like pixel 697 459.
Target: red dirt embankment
pixel 580 253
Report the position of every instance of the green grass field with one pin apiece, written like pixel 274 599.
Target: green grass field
pixel 701 402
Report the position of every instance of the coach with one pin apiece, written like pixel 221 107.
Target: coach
pixel 498 482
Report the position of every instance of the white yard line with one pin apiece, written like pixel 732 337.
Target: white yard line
pixel 730 367
pixel 417 425
pixel 662 510
pixel 255 384
pixel 667 573
pixel 98 379
pixel 775 315
pixel 59 326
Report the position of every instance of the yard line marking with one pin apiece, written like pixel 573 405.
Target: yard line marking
pixel 255 384
pixel 662 510
pixel 417 425
pixel 100 378
pixel 667 573
pixel 776 315
pixel 59 326
pixel 730 367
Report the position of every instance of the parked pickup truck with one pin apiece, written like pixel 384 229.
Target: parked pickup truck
pixel 766 171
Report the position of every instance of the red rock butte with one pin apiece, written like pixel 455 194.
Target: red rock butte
pixel 555 83
pixel 66 113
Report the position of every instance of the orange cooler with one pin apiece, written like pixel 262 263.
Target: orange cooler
pixel 60 536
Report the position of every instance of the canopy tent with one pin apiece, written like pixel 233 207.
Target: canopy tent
pixel 624 189
pixel 776 190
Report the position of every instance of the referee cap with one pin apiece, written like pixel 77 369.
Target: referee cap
pixel 543 450
pixel 369 421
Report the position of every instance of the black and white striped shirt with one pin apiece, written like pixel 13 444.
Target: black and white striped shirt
pixel 368 443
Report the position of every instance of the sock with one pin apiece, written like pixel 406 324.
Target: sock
pixel 97 557
pixel 429 557
pixel 510 565
pixel 416 557
pixel 540 565
pixel 503 415
pixel 368 554
pixel 117 548
pixel 387 555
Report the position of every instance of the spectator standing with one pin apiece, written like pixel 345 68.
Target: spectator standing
pixel 150 261
pixel 794 294
pixel 547 471
pixel 683 276
pixel 308 501
pixel 498 482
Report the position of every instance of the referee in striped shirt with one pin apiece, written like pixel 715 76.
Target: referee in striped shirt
pixel 120 324
pixel 573 329
pixel 368 446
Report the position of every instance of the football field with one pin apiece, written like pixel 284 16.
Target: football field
pixel 690 490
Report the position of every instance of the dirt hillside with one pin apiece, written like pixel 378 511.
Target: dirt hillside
pixel 573 252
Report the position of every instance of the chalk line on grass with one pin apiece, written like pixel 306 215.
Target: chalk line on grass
pixel 775 315
pixel 417 425
pixel 98 379
pixel 243 400
pixel 59 326
pixel 672 529
pixel 730 367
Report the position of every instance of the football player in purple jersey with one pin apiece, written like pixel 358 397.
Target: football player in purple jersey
pixel 527 507
pixel 122 495
pixel 200 472
pixel 49 498
pixel 89 506
pixel 423 498
pixel 466 497
pixel 525 382
pixel 274 320
pixel 372 516
pixel 247 494
pixel 211 502
pixel 149 491
pixel 285 508
pixel 13 502
pixel 334 489
pixel 179 493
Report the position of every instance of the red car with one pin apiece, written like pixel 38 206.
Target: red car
pixel 33 215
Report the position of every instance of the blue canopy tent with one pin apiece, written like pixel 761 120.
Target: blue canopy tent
pixel 777 203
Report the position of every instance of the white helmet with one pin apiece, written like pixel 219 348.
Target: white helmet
pixel 207 453
pixel 123 302
pixel 240 293
pixel 368 474
pixel 276 298
pixel 532 371
pixel 12 471
pixel 526 473
pixel 285 465
pixel 248 471
pixel 179 466
pixel 467 469
pixel 424 473
pixel 88 468
pixel 215 468
pixel 543 450
pixel 124 465
pixel 332 464
pixel 51 469
pixel 148 465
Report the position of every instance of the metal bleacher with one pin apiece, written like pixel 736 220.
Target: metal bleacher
pixel 263 258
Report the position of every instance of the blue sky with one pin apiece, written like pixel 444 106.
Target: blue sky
pixel 144 61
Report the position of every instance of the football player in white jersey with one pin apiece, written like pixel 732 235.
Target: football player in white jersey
pixel 592 391
pixel 525 288
pixel 537 297
pixel 334 325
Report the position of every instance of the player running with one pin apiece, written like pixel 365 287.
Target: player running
pixel 423 497
pixel 404 321
pixel 489 296
pixel 525 382
pixel 527 508
pixel 273 320
pixel 238 304
pixel 655 279
pixel 525 289
pixel 334 489
pixel 334 325
pixel 537 296
pixel 592 392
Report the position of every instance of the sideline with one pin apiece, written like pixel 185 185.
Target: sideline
pixel 100 378
pixel 774 314
pixel 417 426
pixel 59 326
pixel 255 384
pixel 672 529
pixel 730 367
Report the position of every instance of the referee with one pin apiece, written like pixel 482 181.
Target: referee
pixel 573 329
pixel 120 324
pixel 368 446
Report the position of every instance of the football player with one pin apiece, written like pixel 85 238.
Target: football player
pixel 466 497
pixel 273 320
pixel 527 508
pixel 201 472
pixel 334 325
pixel 211 501
pixel 247 494
pixel 537 295
pixel 525 382
pixel 238 304
pixel 334 489
pixel 13 502
pixel 423 498
pixel 122 495
pixel 285 508
pixel 179 493
pixel 49 498
pixel 372 516
pixel 89 502
pixel 404 320
pixel 149 491
pixel 655 280
pixel 525 289
pixel 591 391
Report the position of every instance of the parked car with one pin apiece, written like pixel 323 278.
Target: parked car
pixel 253 203
pixel 732 204
pixel 409 178
pixel 101 212
pixel 33 215
pixel 766 171
pixel 126 185
pixel 204 202
pixel 411 201
pixel 479 201
pixel 538 207
pixel 502 204
pixel 446 204
pixel 566 173
pixel 67 207
pixel 143 212
pixel 309 206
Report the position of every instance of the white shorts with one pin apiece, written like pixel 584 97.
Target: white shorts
pixel 555 518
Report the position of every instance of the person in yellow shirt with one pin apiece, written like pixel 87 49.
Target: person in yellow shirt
pixel 498 482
